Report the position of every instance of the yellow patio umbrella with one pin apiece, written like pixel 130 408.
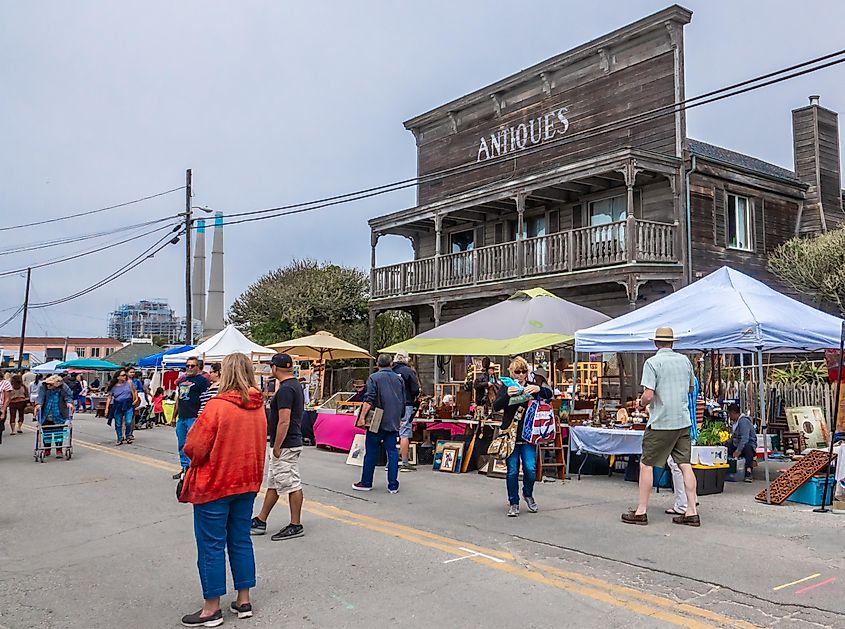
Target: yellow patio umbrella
pixel 321 346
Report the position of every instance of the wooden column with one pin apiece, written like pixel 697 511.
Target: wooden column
pixel 681 227
pixel 438 228
pixel 630 172
pixel 374 236
pixel 372 328
pixel 436 306
pixel 520 233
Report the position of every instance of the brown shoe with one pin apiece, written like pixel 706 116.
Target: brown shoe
pixel 689 520
pixel 632 518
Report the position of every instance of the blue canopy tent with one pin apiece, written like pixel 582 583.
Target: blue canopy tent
pixel 155 360
pixel 728 311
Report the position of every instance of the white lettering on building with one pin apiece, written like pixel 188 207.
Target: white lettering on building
pixel 515 138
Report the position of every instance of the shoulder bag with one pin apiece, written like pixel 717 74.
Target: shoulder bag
pixel 502 446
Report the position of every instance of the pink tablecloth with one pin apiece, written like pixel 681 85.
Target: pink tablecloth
pixel 336 430
pixel 456 429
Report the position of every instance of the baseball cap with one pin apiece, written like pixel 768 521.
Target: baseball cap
pixel 282 361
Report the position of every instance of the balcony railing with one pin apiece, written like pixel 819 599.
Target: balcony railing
pixel 562 252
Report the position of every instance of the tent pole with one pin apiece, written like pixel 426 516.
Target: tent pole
pixel 761 386
pixel 833 421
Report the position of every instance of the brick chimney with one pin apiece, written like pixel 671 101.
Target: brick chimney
pixel 815 138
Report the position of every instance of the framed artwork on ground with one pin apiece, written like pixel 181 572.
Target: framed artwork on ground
pixel 412 453
pixel 356 452
pixel 449 460
pixel 497 468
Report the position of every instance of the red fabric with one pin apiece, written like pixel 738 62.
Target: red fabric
pixel 168 380
pixel 336 430
pixel 226 447
pixel 455 429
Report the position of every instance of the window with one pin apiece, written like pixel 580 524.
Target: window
pixel 95 352
pixel 739 223
pixel 535 226
pixel 109 350
pixel 80 351
pixel 608 210
pixel 463 241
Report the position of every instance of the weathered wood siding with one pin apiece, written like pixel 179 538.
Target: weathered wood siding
pixel 773 219
pixel 639 76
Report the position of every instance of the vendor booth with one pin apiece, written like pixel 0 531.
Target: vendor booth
pixel 728 311
pixel 228 341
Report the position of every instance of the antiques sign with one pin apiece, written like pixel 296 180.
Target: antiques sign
pixel 539 130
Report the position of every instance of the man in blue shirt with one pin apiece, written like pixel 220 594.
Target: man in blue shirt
pixel 189 388
pixel 743 442
pixel 385 391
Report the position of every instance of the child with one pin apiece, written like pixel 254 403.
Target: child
pixel 158 406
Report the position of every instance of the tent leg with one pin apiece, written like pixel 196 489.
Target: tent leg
pixel 761 385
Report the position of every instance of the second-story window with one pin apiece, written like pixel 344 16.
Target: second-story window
pixel 608 210
pixel 95 352
pixel 463 241
pixel 80 352
pixel 739 223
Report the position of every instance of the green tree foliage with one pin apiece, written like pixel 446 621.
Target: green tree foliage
pixel 814 267
pixel 307 296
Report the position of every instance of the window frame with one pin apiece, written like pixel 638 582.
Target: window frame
pixel 749 222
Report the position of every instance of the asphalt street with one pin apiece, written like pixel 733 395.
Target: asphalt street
pixel 100 541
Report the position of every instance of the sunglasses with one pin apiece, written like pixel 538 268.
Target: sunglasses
pixel 520 371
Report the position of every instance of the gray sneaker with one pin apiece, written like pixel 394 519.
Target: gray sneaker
pixel 407 467
pixel 532 506
pixel 513 511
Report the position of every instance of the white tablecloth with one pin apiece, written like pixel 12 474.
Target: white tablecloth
pixel 606 440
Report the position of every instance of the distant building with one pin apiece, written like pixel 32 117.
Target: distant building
pixel 38 349
pixel 148 318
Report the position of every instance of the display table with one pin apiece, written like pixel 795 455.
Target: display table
pixel 454 427
pixel 606 440
pixel 336 430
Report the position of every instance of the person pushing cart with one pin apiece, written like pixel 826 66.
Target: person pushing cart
pixel 54 411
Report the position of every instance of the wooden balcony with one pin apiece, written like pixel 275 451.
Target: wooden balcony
pixel 623 242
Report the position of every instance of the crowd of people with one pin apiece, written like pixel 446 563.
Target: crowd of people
pixel 228 432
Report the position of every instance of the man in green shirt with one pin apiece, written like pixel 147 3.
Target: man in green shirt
pixel 667 382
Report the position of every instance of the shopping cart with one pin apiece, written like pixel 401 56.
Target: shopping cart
pixel 53 436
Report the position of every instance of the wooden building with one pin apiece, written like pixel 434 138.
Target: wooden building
pixel 577 175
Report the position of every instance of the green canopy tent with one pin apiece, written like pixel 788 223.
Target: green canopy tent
pixel 88 364
pixel 529 320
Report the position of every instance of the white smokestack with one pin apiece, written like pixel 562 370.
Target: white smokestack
pixel 214 313
pixel 198 274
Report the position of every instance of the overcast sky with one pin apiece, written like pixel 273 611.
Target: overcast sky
pixel 272 103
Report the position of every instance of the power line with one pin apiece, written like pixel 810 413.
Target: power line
pixel 12 318
pixel 45 244
pixel 89 212
pixel 88 252
pixel 146 254
pixel 696 101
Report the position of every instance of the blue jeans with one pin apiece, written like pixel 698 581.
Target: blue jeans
pixel 373 441
pixel 182 428
pixel 528 453
pixel 123 423
pixel 224 524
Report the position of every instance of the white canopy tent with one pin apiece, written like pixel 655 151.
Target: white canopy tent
pixel 728 311
pixel 228 341
pixel 47 368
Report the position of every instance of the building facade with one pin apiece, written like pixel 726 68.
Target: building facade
pixel 40 349
pixel 148 318
pixel 576 175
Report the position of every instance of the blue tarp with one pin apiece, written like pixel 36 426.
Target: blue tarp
pixel 726 310
pixel 155 360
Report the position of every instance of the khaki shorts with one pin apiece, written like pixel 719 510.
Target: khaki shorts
pixel 283 473
pixel 659 444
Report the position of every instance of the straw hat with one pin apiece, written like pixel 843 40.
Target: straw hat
pixel 55 380
pixel 664 335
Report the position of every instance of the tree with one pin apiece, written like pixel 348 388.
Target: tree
pixel 814 267
pixel 307 296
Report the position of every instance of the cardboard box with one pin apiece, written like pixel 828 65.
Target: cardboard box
pixel 709 455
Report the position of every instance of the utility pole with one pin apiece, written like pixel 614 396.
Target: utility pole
pixel 189 316
pixel 23 321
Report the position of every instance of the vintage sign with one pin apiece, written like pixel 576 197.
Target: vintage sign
pixel 539 130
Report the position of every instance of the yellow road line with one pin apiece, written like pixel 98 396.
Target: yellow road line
pixel 636 601
pixel 786 585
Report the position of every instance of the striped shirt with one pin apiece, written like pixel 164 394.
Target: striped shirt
pixel 670 376
pixel 5 389
pixel 206 395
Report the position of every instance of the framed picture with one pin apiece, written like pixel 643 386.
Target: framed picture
pixel 441 446
pixel 356 453
pixel 449 460
pixel 497 468
pixel 412 453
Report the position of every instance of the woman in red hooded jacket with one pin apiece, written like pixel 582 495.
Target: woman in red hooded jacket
pixel 226 448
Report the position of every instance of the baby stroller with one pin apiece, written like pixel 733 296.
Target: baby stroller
pixel 48 436
pixel 146 417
